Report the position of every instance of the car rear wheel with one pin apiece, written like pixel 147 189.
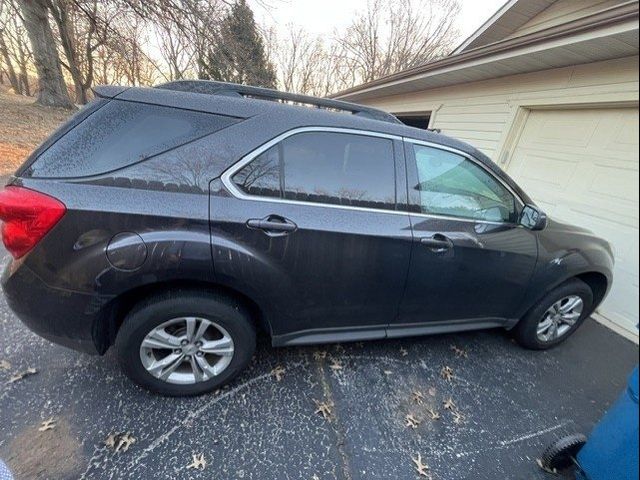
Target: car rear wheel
pixel 182 343
pixel 552 320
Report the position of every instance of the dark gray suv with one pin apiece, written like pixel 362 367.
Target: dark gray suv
pixel 176 222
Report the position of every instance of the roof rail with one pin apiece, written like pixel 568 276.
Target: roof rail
pixel 236 90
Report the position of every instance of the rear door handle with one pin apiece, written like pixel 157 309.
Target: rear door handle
pixel 272 224
pixel 437 243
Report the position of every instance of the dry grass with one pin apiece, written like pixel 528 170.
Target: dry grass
pixel 23 126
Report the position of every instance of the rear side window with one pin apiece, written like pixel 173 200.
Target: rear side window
pixel 324 167
pixel 120 134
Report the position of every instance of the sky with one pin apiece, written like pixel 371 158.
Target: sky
pixel 321 17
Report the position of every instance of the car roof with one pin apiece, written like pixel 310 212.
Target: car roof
pixel 193 95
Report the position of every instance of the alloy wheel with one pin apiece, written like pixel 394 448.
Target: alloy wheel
pixel 559 318
pixel 186 350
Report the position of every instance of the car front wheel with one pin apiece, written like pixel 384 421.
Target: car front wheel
pixel 552 320
pixel 183 343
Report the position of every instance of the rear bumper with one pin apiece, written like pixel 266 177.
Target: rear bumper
pixel 60 316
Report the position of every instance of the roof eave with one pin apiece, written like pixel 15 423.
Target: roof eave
pixel 609 17
pixel 485 26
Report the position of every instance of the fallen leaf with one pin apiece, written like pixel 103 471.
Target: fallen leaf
pixel 120 442
pixel 459 352
pixel 335 365
pixel 278 372
pixel 421 468
pixel 447 373
pixel 403 352
pixel 433 414
pixel 449 404
pixel 198 462
pixel 48 424
pixel 125 442
pixel 417 397
pixel 324 409
pixel 412 421
pixel 320 354
pixel 19 376
pixel 111 440
pixel 458 418
pixel 4 365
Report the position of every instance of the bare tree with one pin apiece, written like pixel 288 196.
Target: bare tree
pixel 177 49
pixel 389 36
pixel 299 58
pixel 7 62
pixel 52 90
pixel 394 35
pixel 195 24
pixel 15 51
pixel 81 32
pixel 22 52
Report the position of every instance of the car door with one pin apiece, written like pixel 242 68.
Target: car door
pixel 471 261
pixel 308 227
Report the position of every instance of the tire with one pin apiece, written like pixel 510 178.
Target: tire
pixel 223 314
pixel 526 331
pixel 560 454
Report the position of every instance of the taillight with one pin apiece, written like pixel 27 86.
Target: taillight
pixel 27 216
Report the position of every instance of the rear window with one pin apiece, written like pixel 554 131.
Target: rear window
pixel 120 134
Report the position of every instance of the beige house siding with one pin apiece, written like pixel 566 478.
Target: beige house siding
pixel 563 11
pixel 485 113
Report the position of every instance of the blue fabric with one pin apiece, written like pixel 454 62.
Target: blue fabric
pixel 612 449
pixel 5 474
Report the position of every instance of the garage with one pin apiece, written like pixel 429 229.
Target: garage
pixel 549 91
pixel 581 166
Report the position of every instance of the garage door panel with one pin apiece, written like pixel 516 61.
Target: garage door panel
pixel 552 129
pixel 615 183
pixel 623 138
pixel 581 166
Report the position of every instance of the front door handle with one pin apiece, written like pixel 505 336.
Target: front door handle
pixel 272 224
pixel 437 243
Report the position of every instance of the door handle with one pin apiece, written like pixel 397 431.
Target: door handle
pixel 272 224
pixel 437 243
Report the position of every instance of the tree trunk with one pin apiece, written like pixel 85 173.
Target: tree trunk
pixel 11 73
pixel 23 76
pixel 52 91
pixel 61 16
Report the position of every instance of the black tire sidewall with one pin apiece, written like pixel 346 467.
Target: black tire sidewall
pixel 228 314
pixel 526 331
pixel 559 454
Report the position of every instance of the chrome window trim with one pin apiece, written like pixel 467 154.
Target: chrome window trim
pixel 233 169
pixel 239 194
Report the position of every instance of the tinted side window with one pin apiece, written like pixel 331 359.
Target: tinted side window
pixel 262 175
pixel 120 134
pixel 452 185
pixel 325 167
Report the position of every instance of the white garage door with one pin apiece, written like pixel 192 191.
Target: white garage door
pixel 581 166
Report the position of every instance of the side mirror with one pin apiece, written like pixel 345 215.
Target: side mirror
pixel 534 218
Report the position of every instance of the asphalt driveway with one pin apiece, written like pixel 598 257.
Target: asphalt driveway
pixel 507 404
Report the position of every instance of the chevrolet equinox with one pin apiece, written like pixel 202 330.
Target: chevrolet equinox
pixel 176 222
